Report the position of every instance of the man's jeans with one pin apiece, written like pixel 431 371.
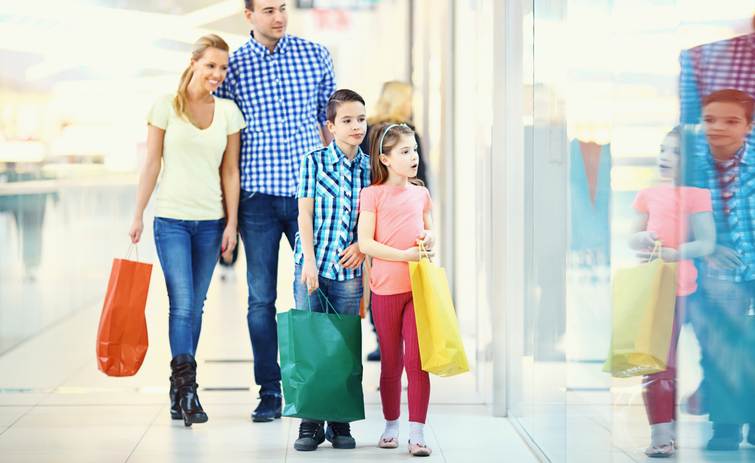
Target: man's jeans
pixel 188 251
pixel 262 220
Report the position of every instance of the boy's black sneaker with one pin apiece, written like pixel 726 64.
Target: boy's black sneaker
pixel 311 434
pixel 339 434
pixel 268 409
pixel 725 437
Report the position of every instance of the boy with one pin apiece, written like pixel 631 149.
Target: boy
pixel 726 166
pixel 327 254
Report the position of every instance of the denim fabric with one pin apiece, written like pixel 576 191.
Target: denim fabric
pixel 262 220
pixel 188 251
pixel 344 296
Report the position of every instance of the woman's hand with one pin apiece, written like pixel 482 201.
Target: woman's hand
pixel 230 240
pixel 136 230
pixel 309 276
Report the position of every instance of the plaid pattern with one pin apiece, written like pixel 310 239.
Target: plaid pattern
pixel 335 183
pixel 712 67
pixel 283 96
pixel 736 229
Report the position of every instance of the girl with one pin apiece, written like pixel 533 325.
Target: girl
pixel 395 217
pixel 665 212
pixel 196 138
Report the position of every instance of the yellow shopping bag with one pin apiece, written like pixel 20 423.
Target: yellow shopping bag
pixel 440 347
pixel 644 300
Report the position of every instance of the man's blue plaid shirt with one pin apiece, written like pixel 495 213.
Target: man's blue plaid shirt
pixel 283 96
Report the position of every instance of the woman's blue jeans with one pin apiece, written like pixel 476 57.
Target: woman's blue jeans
pixel 188 251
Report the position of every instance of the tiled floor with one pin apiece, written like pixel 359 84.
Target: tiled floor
pixel 56 407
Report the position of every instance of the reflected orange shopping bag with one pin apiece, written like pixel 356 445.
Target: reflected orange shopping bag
pixel 122 336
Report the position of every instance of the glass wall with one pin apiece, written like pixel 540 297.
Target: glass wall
pixel 601 94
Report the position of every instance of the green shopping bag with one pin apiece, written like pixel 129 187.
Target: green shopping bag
pixel 321 364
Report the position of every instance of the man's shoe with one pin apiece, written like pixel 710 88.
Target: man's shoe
pixel 339 434
pixel 725 437
pixel 374 356
pixel 268 409
pixel 311 435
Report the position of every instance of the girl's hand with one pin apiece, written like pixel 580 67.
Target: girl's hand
pixel 230 240
pixel 137 227
pixel 413 254
pixel 351 257
pixel 427 239
pixel 667 254
pixel 646 239
pixel 309 276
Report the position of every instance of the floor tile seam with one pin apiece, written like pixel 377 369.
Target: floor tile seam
pixel 141 438
pixel 7 428
pixel 435 435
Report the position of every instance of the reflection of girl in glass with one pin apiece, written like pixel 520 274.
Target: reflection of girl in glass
pixel 681 219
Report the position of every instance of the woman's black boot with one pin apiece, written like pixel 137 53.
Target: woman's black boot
pixel 185 379
pixel 175 410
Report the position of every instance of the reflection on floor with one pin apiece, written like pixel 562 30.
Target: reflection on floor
pixel 55 406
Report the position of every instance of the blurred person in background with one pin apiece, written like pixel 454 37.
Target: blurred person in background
pixel 681 219
pixel 195 137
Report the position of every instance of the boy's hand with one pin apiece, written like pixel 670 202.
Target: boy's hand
pixel 351 257
pixel 309 276
pixel 427 239
pixel 725 258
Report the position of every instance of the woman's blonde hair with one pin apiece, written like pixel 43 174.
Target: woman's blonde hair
pixel 200 46
pixel 394 104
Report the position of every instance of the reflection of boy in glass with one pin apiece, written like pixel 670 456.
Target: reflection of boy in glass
pixel 725 165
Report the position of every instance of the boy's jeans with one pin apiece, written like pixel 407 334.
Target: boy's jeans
pixel 262 220
pixel 344 296
pixel 188 251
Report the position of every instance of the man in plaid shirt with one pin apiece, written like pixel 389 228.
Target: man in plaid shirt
pixel 282 84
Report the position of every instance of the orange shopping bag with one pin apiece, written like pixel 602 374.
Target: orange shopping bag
pixel 122 335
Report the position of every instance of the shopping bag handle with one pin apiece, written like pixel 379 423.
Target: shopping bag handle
pixel 423 252
pixel 657 248
pixel 323 298
pixel 135 248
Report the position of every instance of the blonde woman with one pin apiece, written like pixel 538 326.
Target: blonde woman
pixel 195 137
pixel 395 107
